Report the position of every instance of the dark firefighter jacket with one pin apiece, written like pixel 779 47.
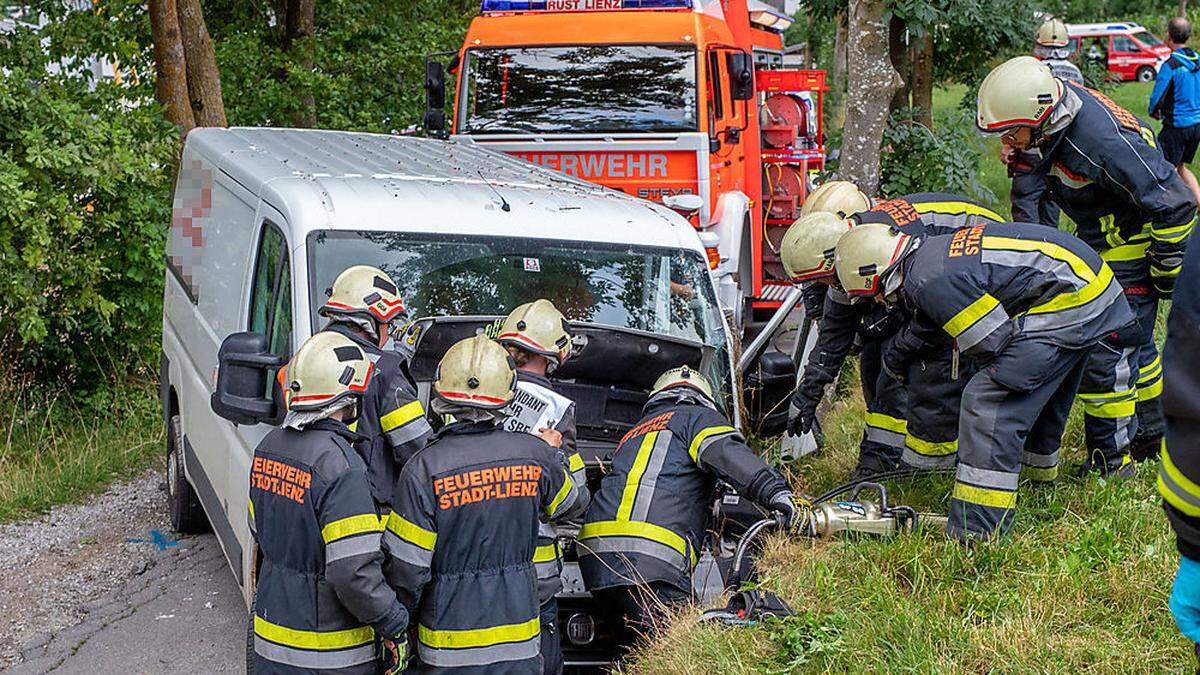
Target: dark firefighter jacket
pixel 922 214
pixel 538 406
pixel 1105 172
pixel 392 420
pixel 1179 475
pixel 321 598
pixel 460 545
pixel 987 284
pixel 647 520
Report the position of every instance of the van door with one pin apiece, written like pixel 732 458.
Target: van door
pixel 1123 55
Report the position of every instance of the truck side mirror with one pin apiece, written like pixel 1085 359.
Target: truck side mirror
pixel 245 366
pixel 435 97
pixel 741 76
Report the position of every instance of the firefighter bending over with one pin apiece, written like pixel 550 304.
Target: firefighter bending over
pixel 644 530
pixel 321 602
pixel 363 304
pixel 1027 302
pixel 537 337
pixel 461 539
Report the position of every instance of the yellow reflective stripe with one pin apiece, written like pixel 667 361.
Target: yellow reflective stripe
pixel 308 639
pixel 1000 499
pixel 1150 391
pixel 353 426
pixel 413 534
pixel 1172 234
pixel 563 493
pixel 1055 251
pixel 635 476
pixel 575 462
pixel 881 421
pixel 694 448
pixel 626 528
pixel 1110 409
pixel 1078 298
pixel 958 208
pixel 1184 484
pixel 930 448
pixel 478 637
pixel 1159 272
pixel 1125 253
pixel 367 522
pixel 401 416
pixel 545 553
pixel 1039 473
pixel 1151 371
pixel 1112 234
pixel 250 505
pixel 971 314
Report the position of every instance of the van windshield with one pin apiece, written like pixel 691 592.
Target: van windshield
pixel 1147 38
pixel 662 291
pixel 589 88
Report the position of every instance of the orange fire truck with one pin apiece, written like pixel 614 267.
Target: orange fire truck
pixel 684 102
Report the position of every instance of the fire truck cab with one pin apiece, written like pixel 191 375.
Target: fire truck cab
pixel 677 101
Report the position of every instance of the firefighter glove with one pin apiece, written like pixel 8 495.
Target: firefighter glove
pixel 783 508
pixel 802 412
pixel 395 655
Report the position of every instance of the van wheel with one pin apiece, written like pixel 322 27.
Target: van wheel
pixel 187 516
pixel 1145 74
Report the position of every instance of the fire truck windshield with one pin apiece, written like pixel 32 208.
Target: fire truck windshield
pixel 590 88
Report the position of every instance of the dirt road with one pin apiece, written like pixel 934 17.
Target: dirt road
pixel 107 587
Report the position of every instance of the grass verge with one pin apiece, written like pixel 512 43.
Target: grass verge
pixel 55 449
pixel 1080 585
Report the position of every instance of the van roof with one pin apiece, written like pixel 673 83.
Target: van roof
pixel 1091 29
pixel 357 181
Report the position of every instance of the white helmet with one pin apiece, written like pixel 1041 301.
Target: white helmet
pixel 366 292
pixel 807 246
pixel 839 197
pixel 326 369
pixel 476 373
pixel 540 328
pixel 684 376
pixel 1053 33
pixel 1020 92
pixel 865 254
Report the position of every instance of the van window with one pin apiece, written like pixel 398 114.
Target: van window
pixel 271 296
pixel 1124 45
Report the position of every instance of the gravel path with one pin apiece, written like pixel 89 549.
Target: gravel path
pixel 77 596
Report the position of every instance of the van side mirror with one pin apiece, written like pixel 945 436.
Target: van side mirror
pixel 435 98
pixel 741 76
pixel 245 366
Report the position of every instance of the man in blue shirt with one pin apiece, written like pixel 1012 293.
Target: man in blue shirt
pixel 1176 101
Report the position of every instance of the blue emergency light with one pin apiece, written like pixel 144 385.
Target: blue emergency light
pixel 579 5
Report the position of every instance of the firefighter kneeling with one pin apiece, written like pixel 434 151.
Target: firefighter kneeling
pixel 322 600
pixel 642 533
pixel 461 539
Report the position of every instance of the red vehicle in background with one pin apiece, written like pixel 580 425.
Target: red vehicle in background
pixel 1129 51
pixel 683 102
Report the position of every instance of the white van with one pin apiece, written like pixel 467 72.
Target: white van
pixel 265 219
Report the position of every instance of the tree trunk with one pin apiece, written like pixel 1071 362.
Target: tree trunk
pixel 838 72
pixel 922 82
pixel 898 53
pixel 300 24
pixel 170 69
pixel 203 78
pixel 1183 8
pixel 871 83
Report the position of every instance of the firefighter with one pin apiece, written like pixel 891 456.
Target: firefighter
pixel 362 305
pixel 538 339
pixel 644 530
pixel 1030 197
pixel 1127 202
pixel 1179 475
pixel 839 197
pixel 461 539
pixel 321 600
pixel 1030 303
pixel 916 424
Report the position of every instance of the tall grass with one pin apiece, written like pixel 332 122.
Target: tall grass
pixel 57 448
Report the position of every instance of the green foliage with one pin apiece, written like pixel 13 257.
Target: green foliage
pixel 914 159
pixel 369 58
pixel 85 174
pixel 970 36
pixel 806 639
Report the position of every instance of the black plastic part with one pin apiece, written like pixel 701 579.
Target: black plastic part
pixel 245 366
pixel 768 389
pixel 741 76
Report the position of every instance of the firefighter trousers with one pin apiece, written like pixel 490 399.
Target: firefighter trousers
pixel 1013 414
pixel 935 388
pixel 551 638
pixel 1031 200
pixel 883 437
pixel 1109 396
pixel 1150 422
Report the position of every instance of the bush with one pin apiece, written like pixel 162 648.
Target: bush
pixel 85 177
pixel 915 159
